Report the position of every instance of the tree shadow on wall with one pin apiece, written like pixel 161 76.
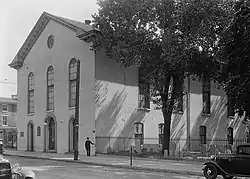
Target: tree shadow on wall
pixel 216 123
pixel 101 90
pixel 178 127
pixel 126 137
pixel 107 118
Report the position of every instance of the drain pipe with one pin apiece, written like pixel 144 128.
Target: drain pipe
pixel 188 113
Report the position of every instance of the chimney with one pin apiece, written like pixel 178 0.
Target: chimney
pixel 88 22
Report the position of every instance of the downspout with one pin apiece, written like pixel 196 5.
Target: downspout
pixel 188 114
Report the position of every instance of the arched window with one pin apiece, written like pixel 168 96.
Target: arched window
pixel 139 131
pixel 31 91
pixel 144 91
pixel 72 82
pixel 50 88
pixel 161 133
pixel 206 95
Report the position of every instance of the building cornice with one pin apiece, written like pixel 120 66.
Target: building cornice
pixel 93 36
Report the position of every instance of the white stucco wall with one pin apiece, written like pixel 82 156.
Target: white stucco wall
pixel 111 121
pixel 116 101
pixel 117 110
pixel 108 99
pixel 66 46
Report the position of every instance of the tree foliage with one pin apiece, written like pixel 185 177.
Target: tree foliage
pixel 167 39
pixel 234 52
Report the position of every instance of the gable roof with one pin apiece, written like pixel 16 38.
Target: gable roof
pixel 77 27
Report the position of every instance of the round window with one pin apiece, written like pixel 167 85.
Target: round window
pixel 50 41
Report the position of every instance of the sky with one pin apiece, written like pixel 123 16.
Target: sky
pixel 17 18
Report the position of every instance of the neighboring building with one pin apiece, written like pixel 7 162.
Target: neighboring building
pixel 113 101
pixel 8 122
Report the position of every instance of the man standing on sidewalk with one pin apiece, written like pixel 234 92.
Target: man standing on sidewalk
pixel 87 146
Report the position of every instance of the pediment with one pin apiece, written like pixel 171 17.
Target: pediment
pixel 77 27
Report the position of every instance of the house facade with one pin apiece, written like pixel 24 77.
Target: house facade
pixel 114 103
pixel 8 122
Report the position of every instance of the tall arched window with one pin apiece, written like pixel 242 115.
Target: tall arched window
pixel 31 91
pixel 50 88
pixel 72 82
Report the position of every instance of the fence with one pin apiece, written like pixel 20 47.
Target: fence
pixel 152 146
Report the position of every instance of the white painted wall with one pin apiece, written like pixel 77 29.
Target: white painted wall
pixel 66 46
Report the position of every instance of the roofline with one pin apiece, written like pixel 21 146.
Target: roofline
pixel 42 22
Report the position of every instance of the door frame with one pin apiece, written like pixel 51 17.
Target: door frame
pixel 71 134
pixel 46 134
pixel 30 136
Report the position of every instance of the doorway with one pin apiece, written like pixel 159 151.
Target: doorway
pixel 30 137
pixel 50 135
pixel 72 125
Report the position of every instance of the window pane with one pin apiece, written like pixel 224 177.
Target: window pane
pixel 4 108
pixel 230 107
pixel 4 120
pixel 206 85
pixel 141 101
pixel 144 95
pixel 206 103
pixel 72 93
pixel 138 128
pixel 31 81
pixel 50 75
pixel 72 69
pixel 50 97
pixel 161 128
pixel 206 95
pixel 31 101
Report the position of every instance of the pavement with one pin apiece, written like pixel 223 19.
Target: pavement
pixel 70 170
pixel 182 167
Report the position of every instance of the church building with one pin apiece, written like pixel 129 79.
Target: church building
pixel 114 105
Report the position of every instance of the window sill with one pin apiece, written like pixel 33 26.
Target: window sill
pixel 144 109
pixel 4 111
pixel 31 114
pixel 72 108
pixel 206 114
pixel 49 111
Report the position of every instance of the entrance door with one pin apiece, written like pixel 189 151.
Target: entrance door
pixel 30 137
pixel 52 136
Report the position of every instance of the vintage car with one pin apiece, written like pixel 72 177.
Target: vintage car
pixel 230 165
pixel 12 170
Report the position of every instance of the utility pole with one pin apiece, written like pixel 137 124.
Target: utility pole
pixel 76 126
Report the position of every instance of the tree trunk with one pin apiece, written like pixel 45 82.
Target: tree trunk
pixel 167 109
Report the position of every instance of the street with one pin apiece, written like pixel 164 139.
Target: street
pixel 47 169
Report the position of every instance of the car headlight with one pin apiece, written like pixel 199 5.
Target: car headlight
pixel 212 157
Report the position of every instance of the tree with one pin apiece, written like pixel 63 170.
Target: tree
pixel 167 39
pixel 234 53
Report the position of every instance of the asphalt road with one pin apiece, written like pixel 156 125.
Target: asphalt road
pixel 47 169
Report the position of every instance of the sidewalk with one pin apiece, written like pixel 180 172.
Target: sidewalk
pixel 153 165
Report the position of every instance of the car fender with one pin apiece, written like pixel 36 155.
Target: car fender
pixel 27 173
pixel 215 164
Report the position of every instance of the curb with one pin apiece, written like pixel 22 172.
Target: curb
pixel 114 166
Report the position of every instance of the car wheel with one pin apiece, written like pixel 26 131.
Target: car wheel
pixel 210 171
